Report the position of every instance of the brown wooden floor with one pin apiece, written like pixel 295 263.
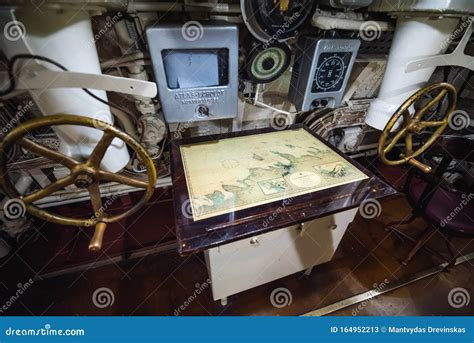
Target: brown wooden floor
pixel 160 284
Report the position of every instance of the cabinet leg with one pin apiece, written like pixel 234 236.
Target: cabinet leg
pixel 224 301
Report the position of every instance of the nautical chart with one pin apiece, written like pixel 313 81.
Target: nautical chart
pixel 236 173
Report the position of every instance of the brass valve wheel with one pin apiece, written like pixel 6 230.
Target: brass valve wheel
pixel 86 174
pixel 415 125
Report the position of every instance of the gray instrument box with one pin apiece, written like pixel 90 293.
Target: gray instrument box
pixel 196 69
pixel 320 72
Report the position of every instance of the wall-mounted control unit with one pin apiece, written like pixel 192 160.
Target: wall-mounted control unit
pixel 320 72
pixel 196 69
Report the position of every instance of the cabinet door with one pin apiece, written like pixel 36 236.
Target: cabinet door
pixel 254 261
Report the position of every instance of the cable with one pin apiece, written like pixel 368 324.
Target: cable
pixel 12 86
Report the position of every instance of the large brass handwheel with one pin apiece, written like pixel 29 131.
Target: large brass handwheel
pixel 415 125
pixel 84 174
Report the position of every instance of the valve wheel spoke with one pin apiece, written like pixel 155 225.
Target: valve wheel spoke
pixel 99 151
pixel 43 151
pixel 409 143
pixel 421 112
pixel 395 139
pixel 49 189
pixel 107 176
pixel 436 123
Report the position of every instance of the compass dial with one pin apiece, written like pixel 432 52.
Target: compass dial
pixel 330 72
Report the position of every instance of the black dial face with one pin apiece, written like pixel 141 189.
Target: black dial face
pixel 281 18
pixel 331 71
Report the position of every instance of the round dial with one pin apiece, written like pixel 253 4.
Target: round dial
pixel 275 20
pixel 269 64
pixel 330 72
pixel 282 16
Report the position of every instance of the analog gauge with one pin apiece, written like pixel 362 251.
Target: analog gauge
pixel 275 20
pixel 330 72
pixel 265 64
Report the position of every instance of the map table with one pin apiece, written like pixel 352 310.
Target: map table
pixel 232 186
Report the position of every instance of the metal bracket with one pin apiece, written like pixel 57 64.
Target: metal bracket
pixel 34 75
pixel 47 79
pixel 456 58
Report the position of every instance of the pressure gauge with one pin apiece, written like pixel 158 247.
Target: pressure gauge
pixel 275 20
pixel 320 72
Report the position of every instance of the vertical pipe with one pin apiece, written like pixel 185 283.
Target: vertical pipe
pixel 67 37
pixel 415 38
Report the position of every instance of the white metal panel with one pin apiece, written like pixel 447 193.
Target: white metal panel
pixel 254 261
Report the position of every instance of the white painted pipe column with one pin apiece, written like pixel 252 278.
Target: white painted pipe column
pixel 415 38
pixel 67 37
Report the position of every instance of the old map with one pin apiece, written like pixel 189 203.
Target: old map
pixel 236 173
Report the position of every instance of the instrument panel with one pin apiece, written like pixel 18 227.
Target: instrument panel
pixel 197 77
pixel 321 71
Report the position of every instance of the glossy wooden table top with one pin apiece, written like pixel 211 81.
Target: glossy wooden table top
pixel 194 236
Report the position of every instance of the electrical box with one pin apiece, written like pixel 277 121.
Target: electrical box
pixel 196 69
pixel 320 72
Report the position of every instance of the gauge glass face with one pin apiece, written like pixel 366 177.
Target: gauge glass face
pixel 269 64
pixel 281 17
pixel 330 72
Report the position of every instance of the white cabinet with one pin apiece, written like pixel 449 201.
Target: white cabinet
pixel 250 262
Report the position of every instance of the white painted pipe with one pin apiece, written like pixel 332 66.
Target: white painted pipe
pixel 415 38
pixel 67 37
pixel 331 23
